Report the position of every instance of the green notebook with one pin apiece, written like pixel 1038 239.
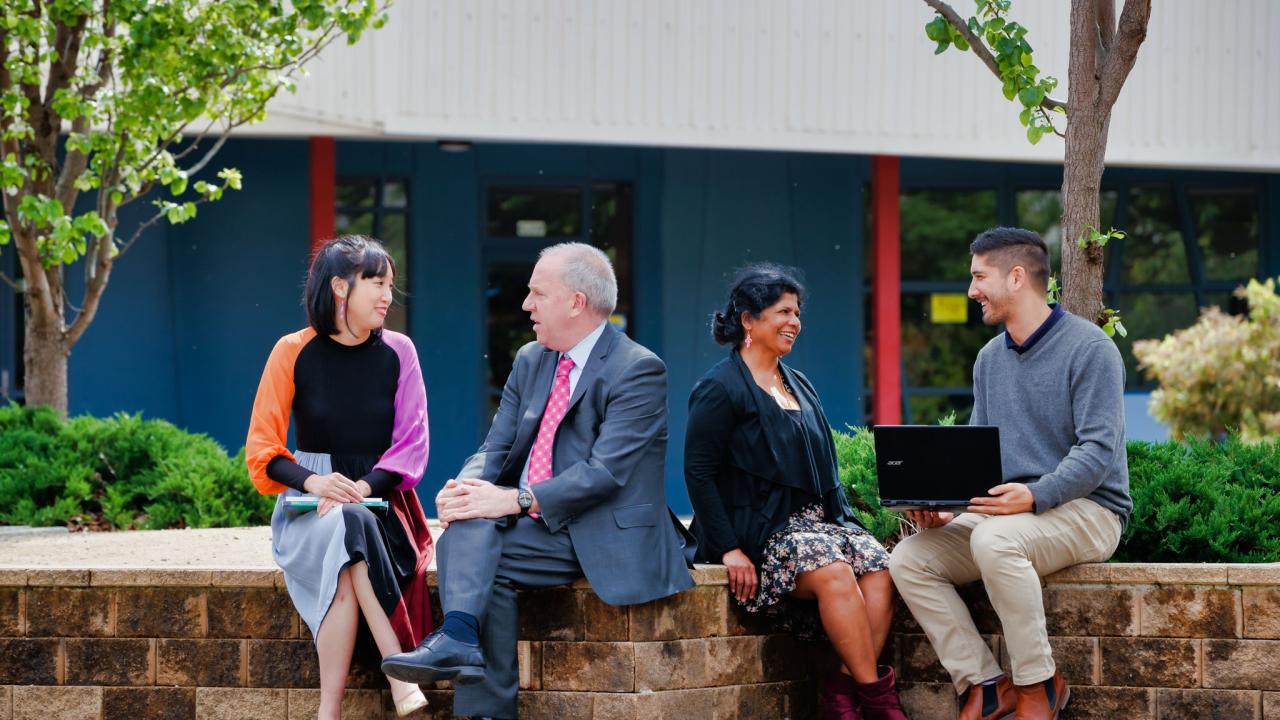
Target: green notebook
pixel 306 503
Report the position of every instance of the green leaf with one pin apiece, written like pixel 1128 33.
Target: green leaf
pixel 942 47
pixel 938 29
pixel 1119 327
pixel 1034 133
pixel 1030 97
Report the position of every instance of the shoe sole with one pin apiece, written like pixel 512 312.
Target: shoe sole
pixel 428 673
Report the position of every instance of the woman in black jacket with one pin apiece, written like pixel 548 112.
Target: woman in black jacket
pixel 760 464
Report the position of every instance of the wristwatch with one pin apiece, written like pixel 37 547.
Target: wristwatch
pixel 524 499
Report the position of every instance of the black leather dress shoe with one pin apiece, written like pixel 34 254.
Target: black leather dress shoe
pixel 439 657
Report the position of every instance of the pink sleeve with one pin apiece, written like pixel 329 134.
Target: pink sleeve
pixel 407 455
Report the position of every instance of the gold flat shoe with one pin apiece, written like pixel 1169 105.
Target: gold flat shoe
pixel 412 702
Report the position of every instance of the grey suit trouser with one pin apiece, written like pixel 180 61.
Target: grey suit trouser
pixel 480 563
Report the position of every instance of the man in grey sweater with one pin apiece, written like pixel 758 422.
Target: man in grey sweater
pixel 1054 385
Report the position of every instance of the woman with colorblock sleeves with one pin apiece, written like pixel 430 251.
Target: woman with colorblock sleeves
pixel 359 410
pixel 760 465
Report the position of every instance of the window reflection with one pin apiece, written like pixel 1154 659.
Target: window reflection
pixel 1154 252
pixel 937 227
pixel 1227 232
pixel 534 212
pixel 378 208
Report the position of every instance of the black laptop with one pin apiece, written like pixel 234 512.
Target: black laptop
pixel 936 467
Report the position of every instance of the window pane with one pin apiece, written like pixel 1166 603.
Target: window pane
pixel 394 238
pixel 937 227
pixel 1227 223
pixel 395 194
pixel 1150 315
pixel 611 231
pixel 355 192
pixel 357 224
pixel 1041 210
pixel 535 212
pixel 1153 250
pixel 509 326
pixel 939 355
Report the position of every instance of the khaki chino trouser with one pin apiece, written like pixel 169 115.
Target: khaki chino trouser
pixel 1009 553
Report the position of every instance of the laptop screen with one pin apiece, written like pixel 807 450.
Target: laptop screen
pixel 936 464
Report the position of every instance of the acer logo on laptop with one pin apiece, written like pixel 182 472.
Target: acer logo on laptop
pixel 892 462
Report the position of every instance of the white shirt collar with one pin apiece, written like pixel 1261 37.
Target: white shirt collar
pixel 581 352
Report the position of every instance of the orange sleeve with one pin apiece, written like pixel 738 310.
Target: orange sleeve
pixel 269 422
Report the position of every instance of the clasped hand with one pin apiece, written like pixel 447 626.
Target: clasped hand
pixel 333 490
pixel 468 498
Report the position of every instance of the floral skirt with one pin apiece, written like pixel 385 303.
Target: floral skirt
pixel 808 543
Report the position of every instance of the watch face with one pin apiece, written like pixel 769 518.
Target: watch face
pixel 524 499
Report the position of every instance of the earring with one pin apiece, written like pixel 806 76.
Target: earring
pixel 746 343
pixel 342 308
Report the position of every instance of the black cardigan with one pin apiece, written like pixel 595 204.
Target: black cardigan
pixel 736 483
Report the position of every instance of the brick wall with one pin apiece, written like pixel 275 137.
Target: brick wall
pixel 1135 641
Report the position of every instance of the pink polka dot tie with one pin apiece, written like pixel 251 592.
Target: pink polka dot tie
pixel 557 405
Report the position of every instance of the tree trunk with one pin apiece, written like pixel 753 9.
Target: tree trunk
pixel 46 347
pixel 1086 145
pixel 1081 185
pixel 45 353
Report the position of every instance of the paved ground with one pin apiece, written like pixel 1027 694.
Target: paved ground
pixel 229 548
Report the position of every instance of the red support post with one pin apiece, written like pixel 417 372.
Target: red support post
pixel 886 291
pixel 324 179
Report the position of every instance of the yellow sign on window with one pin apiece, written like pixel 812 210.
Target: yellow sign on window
pixel 948 308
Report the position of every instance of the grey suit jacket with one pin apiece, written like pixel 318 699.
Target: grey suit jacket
pixel 606 486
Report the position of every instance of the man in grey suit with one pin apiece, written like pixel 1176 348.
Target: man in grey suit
pixel 568 482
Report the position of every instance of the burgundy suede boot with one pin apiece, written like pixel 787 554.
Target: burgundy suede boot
pixel 879 699
pixel 837 698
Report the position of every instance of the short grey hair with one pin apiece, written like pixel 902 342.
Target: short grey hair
pixel 588 270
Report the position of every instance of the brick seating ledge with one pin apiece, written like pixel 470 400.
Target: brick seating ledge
pixel 1135 641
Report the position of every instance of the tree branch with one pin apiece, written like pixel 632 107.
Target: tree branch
pixel 10 282
pixel 94 288
pixel 150 221
pixel 982 51
pixel 77 161
pixel 1124 53
pixel 1106 24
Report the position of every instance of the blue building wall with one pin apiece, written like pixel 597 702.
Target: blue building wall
pixel 192 311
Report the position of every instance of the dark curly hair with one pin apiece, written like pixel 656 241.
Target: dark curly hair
pixel 348 257
pixel 755 287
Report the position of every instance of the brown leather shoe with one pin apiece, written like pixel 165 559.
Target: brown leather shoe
pixel 1043 700
pixel 989 702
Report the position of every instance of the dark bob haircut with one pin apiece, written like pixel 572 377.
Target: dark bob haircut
pixel 1015 246
pixel 755 287
pixel 349 257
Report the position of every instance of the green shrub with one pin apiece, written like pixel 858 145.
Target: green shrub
pixel 121 472
pixel 1222 373
pixel 1194 501
pixel 1203 502
pixel 856 460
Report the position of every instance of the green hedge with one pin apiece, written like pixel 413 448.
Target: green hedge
pixel 121 472
pixel 1194 501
